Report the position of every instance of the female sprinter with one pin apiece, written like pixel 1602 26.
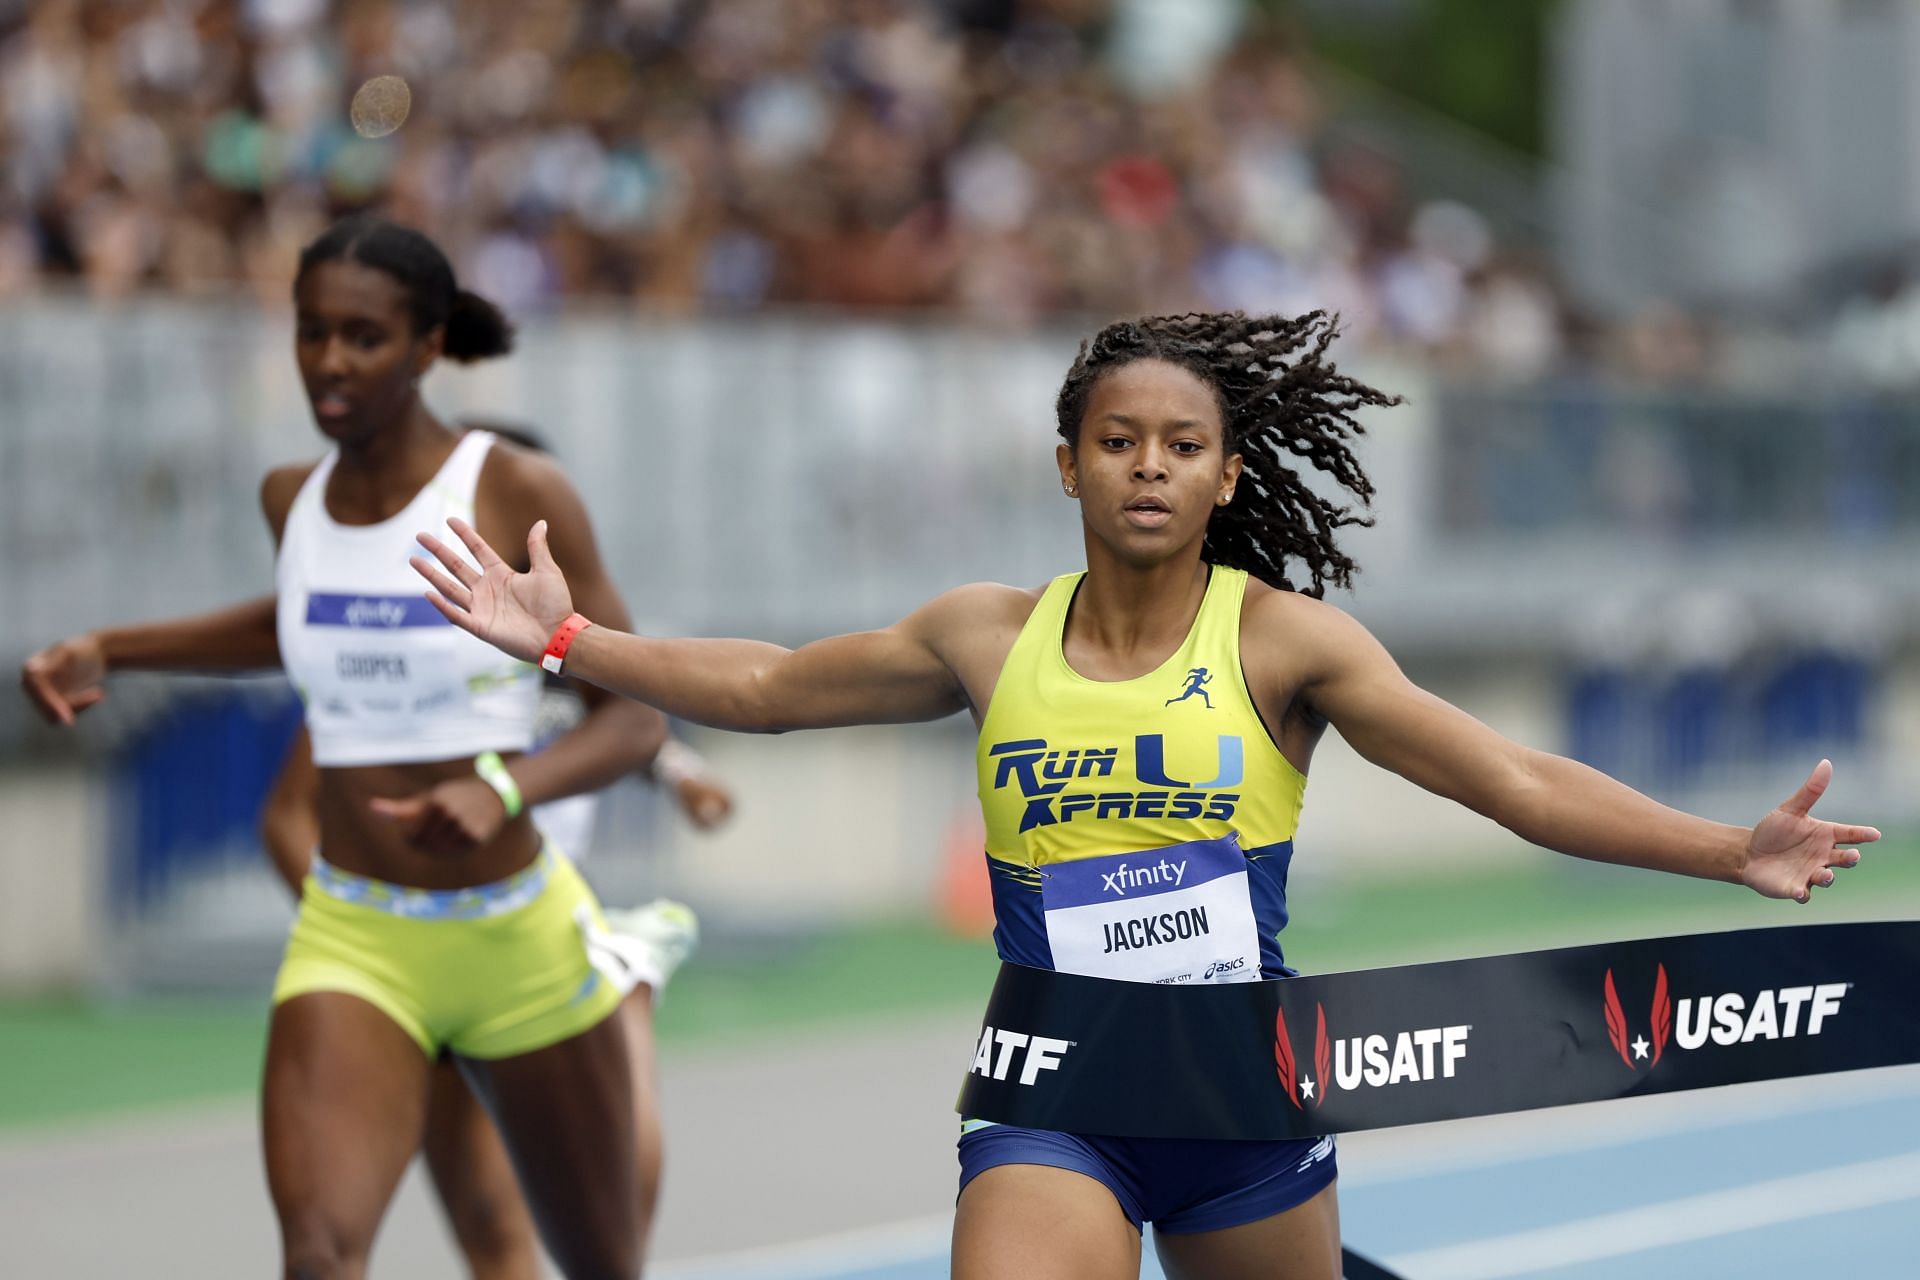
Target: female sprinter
pixel 435 918
pixel 464 1154
pixel 468 1163
pixel 1181 438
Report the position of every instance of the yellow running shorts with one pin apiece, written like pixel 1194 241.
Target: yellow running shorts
pixel 488 972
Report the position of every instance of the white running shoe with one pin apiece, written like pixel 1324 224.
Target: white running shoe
pixel 642 944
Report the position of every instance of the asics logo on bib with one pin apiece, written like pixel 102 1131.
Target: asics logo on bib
pixel 1042 774
pixel 998 1050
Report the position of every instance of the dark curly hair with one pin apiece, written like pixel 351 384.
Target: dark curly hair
pixel 1281 400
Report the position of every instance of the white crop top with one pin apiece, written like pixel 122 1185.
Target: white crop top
pixel 384 678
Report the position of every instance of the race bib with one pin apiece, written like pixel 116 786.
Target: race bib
pixel 1177 915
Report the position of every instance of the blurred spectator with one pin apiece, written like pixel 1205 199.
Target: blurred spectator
pixel 1876 335
pixel 1003 159
pixel 1663 345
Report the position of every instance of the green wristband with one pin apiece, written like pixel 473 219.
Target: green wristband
pixel 493 771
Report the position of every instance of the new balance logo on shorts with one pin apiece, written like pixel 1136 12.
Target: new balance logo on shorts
pixel 1321 1150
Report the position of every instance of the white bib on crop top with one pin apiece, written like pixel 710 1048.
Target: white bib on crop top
pixel 384 678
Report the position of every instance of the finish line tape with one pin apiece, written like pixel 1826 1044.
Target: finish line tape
pixel 1301 1057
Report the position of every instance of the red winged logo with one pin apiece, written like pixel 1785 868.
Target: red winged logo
pixel 1289 1067
pixel 1662 1018
pixel 1662 1015
pixel 1283 1057
pixel 1617 1023
pixel 1322 1056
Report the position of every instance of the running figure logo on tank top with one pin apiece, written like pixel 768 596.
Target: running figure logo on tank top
pixel 1197 679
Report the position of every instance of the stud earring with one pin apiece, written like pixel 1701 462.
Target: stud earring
pixel 1072 491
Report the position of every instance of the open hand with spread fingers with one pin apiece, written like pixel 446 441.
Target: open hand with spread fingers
pixel 1791 853
pixel 513 612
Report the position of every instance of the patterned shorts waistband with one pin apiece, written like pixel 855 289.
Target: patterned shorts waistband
pixel 475 902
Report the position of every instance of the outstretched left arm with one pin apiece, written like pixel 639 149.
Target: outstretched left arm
pixel 1547 799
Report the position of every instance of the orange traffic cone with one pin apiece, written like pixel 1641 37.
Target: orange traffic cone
pixel 965 903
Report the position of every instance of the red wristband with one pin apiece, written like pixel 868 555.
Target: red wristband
pixel 563 637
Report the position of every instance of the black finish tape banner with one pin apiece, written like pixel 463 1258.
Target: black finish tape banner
pixel 1329 1054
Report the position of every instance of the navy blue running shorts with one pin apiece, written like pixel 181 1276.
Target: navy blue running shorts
pixel 1181 1185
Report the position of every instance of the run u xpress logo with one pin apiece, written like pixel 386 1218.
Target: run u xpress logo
pixel 1725 1017
pixel 1043 772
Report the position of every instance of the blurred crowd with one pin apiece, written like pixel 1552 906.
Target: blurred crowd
pixel 1001 160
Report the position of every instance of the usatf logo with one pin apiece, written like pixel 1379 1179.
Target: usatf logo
pixel 1197 681
pixel 1370 1061
pixel 1725 1018
pixel 1040 1053
pixel 1042 774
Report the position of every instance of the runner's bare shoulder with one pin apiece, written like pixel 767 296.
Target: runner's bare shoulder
pixel 979 607
pixel 278 490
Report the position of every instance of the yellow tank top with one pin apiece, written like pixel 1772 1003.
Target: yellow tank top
pixel 1137 829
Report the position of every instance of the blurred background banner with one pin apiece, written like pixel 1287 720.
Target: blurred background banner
pixel 1698 589
pixel 797 283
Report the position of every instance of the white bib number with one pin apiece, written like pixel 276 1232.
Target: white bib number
pixel 1178 915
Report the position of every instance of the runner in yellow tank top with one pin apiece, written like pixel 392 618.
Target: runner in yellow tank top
pixel 1182 438
pixel 1079 778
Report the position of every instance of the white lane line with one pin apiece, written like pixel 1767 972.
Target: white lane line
pixel 1380 1156
pixel 1383 1156
pixel 1610 1235
pixel 910 1240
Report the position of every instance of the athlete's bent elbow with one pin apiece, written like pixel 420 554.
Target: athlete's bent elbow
pixel 737 719
pixel 754 708
pixel 1521 795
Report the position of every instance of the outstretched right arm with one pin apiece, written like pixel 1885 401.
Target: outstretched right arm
pixel 902 673
pixel 64 679
pixel 872 677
